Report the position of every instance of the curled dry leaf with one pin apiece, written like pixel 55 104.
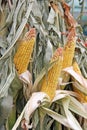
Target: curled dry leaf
pixel 71 22
pixel 77 76
pixel 71 119
pixel 61 83
pixel 26 77
pixel 24 125
pixel 62 94
pixel 33 103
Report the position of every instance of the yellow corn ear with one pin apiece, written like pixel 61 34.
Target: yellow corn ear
pixel 68 53
pixel 76 67
pixel 50 81
pixel 69 49
pixel 24 51
pixel 82 98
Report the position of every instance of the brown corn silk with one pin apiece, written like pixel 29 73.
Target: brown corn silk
pixel 50 81
pixel 70 21
pixel 82 97
pixel 24 51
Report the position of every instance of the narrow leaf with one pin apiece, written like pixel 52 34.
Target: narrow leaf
pixel 56 116
pixel 77 107
pixel 71 119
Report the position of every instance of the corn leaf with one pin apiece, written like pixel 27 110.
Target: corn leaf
pixel 79 78
pixel 63 120
pixel 60 94
pixel 5 83
pixel 34 102
pixel 77 107
pixel 70 117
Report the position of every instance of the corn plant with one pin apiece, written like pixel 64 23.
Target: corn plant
pixel 43 67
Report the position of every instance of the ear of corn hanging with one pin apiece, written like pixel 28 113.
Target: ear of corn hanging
pixel 49 82
pixel 24 52
pixel 69 48
pixel 68 53
pixel 76 68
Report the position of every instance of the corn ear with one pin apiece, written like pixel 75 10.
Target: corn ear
pixel 24 51
pixel 76 68
pixel 69 49
pixel 49 82
pixel 68 53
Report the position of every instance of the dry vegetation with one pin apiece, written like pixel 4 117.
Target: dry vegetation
pixel 43 67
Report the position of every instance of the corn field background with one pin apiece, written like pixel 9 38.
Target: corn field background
pixel 43 66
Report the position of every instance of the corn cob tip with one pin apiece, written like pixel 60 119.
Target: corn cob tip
pixel 65 6
pixel 31 33
pixel 58 52
pixel 71 35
